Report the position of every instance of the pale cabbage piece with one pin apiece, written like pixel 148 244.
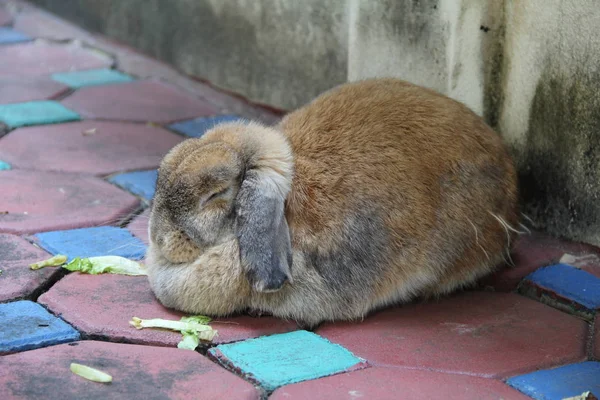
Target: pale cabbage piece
pixel 192 328
pixel 106 265
pixel 199 319
pixel 90 373
pixel 190 340
pixel 169 324
pixel 55 261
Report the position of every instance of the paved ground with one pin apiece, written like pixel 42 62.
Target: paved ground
pixel 85 124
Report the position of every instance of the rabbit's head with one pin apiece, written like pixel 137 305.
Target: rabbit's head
pixel 222 196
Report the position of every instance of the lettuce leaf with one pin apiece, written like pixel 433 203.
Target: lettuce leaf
pixel 106 265
pixel 193 328
pixel 55 261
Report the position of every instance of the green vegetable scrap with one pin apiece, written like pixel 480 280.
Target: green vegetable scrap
pixel 55 261
pixel 106 265
pixel 91 374
pixel 193 328
pixel 94 265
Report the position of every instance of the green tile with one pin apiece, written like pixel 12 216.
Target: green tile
pixel 35 113
pixel 95 77
pixel 287 358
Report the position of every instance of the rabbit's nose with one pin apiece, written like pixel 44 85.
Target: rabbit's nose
pixel 273 283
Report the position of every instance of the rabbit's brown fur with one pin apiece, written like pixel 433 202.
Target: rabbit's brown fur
pixel 392 191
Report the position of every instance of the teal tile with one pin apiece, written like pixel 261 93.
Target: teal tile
pixel 569 282
pixel 93 242
pixel 94 77
pixel 35 113
pixel 278 360
pixel 140 183
pixel 199 126
pixel 560 383
pixel 4 166
pixel 10 36
pixel 27 325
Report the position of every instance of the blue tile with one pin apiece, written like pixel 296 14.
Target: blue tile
pixel 4 166
pixel 559 383
pixel 35 113
pixel 94 77
pixel 9 36
pixel 140 183
pixel 287 358
pixel 198 127
pixel 26 325
pixel 570 282
pixel 93 242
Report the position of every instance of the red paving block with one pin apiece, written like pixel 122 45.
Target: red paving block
pixel 532 252
pixel 103 305
pixel 477 333
pixel 34 59
pixel 17 89
pixel 42 201
pixel 18 281
pixel 137 101
pixel 138 372
pixel 91 147
pixel 139 226
pixel 42 24
pixel 393 383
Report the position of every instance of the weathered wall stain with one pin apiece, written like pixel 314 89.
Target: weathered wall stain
pixel 559 166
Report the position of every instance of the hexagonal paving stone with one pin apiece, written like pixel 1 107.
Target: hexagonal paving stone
pixel 103 305
pixel 11 36
pixel 93 242
pixel 278 360
pixel 94 77
pixel 92 147
pixel 35 113
pixel 139 226
pixel 477 333
pixel 27 325
pixel 137 101
pixel 198 127
pixel 531 252
pixel 567 285
pixel 18 281
pixel 141 183
pixel 34 59
pixel 395 383
pixel 4 166
pixel 560 383
pixel 39 201
pixel 138 372
pixel 18 89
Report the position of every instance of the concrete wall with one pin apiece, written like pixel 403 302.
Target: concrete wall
pixel 276 52
pixel 530 67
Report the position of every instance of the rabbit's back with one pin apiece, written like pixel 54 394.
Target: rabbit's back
pixel 421 186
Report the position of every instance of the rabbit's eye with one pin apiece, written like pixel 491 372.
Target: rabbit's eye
pixel 218 194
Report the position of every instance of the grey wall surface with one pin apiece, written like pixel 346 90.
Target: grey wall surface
pixel 529 67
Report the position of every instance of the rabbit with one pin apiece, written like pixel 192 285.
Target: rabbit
pixel 377 193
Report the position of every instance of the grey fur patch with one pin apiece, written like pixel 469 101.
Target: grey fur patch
pixel 360 260
pixel 263 234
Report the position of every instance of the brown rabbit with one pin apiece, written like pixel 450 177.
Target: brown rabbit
pixel 375 193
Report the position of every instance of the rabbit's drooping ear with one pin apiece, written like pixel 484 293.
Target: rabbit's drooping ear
pixel 263 233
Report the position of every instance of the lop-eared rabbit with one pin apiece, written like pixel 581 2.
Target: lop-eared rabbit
pixel 375 193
